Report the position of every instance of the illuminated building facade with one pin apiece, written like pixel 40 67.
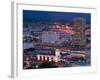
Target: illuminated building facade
pixel 79 27
pixel 49 56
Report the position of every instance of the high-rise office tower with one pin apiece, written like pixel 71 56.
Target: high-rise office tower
pixel 79 27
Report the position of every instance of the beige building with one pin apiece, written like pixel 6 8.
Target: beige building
pixel 79 27
pixel 49 57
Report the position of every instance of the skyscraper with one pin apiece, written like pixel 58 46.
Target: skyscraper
pixel 79 27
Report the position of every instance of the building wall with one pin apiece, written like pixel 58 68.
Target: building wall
pixel 46 58
pixel 48 37
pixel 79 26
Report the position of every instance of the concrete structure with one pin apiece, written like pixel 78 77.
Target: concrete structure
pixel 79 27
pixel 49 57
pixel 27 45
pixel 48 37
pixel 87 32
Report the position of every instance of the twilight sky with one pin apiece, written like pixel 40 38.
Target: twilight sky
pixel 29 15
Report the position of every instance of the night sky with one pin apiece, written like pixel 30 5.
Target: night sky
pixel 29 15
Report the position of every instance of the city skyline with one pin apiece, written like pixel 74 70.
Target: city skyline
pixel 56 39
